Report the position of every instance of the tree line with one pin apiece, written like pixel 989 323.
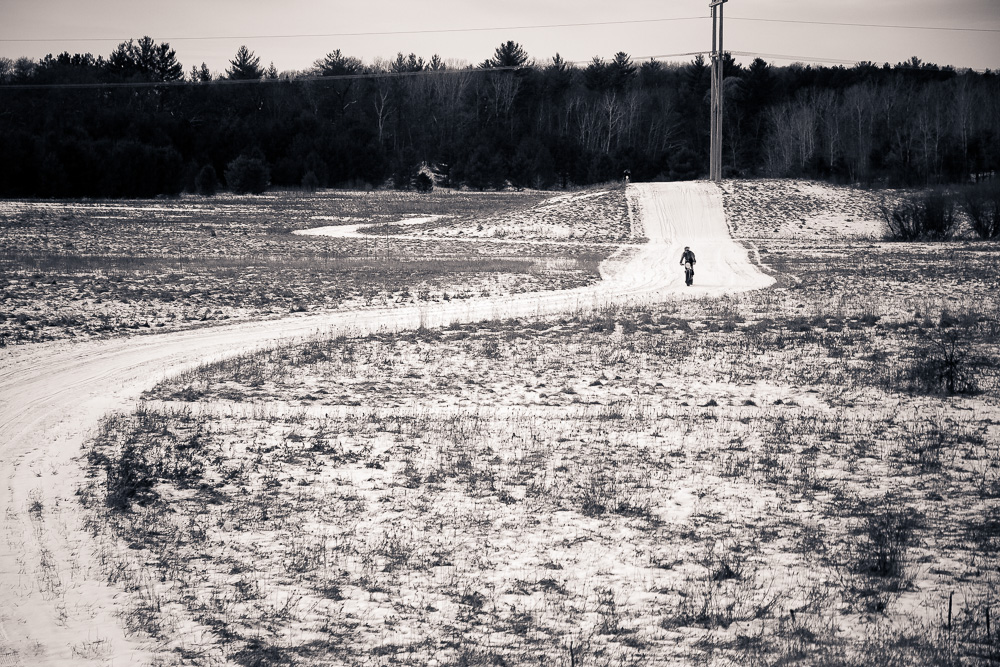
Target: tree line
pixel 135 125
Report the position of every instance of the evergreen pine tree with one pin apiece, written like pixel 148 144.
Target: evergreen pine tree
pixel 245 65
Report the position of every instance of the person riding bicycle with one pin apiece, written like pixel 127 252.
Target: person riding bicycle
pixel 688 262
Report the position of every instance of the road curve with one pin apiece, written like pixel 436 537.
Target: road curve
pixel 55 605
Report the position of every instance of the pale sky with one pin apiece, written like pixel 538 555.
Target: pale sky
pixel 266 26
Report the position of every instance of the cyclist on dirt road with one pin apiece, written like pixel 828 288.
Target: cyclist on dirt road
pixel 688 262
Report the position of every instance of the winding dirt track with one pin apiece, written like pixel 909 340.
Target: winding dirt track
pixel 55 605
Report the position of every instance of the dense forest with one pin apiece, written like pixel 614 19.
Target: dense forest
pixel 135 124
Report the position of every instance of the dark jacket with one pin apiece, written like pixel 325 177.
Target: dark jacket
pixel 688 256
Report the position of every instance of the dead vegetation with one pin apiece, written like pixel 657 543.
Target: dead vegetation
pixel 798 209
pixel 595 215
pixel 760 479
pixel 79 269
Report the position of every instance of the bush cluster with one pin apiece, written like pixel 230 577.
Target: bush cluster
pixel 207 181
pixel 926 217
pixel 982 204
pixel 950 363
pixel 248 175
pixel 933 215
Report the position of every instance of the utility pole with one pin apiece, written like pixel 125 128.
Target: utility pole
pixel 715 157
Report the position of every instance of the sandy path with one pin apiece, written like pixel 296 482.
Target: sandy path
pixel 55 607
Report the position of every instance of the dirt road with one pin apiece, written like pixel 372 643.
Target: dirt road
pixel 55 605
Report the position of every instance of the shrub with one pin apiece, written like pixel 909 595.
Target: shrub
pixel 948 363
pixel 128 476
pixel 248 175
pixel 491 348
pixel 886 536
pixel 135 169
pixel 482 169
pixel 310 182
pixel 878 553
pixel 982 204
pixel 684 165
pixel 423 182
pixel 206 183
pixel 926 217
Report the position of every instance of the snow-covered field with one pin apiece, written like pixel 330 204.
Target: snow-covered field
pixel 808 210
pixel 634 472
pixel 72 270
pixel 588 216
pixel 51 393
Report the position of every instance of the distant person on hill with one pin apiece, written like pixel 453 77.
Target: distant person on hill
pixel 688 262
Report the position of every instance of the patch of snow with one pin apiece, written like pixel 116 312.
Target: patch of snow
pixel 352 231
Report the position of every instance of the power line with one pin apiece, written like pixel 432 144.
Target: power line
pixel 376 33
pixel 501 28
pixel 775 56
pixel 864 25
pixel 661 56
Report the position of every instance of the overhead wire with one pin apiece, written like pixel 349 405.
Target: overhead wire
pixel 863 25
pixel 377 33
pixel 809 59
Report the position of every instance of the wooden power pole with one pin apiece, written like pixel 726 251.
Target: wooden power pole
pixel 715 158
